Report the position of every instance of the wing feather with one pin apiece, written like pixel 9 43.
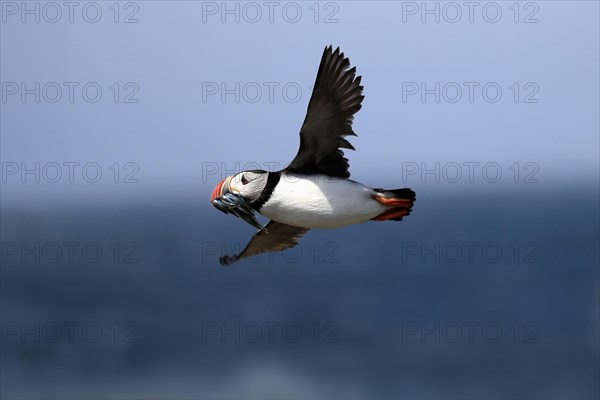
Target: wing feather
pixel 275 237
pixel 336 97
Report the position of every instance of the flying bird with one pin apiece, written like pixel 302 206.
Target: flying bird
pixel 313 191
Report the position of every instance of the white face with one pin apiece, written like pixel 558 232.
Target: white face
pixel 248 184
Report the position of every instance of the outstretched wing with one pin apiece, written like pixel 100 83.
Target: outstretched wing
pixel 336 97
pixel 275 237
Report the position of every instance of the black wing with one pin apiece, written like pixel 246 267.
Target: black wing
pixel 336 97
pixel 277 237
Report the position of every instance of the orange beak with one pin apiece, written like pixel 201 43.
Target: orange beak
pixel 218 190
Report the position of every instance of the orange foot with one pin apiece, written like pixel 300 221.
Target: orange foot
pixel 391 214
pixel 392 202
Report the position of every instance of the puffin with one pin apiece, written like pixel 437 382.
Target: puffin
pixel 314 190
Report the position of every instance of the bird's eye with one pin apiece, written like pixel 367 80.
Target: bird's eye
pixel 244 180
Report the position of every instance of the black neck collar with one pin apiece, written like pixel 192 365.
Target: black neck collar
pixel 272 181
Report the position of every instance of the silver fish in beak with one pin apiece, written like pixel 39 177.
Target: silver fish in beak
pixel 231 203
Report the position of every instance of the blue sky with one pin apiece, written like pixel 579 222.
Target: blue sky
pixel 175 128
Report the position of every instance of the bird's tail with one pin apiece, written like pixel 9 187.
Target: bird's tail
pixel 398 201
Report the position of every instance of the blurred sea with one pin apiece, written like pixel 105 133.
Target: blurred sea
pixel 487 295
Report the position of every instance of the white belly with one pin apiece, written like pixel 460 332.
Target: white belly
pixel 320 201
